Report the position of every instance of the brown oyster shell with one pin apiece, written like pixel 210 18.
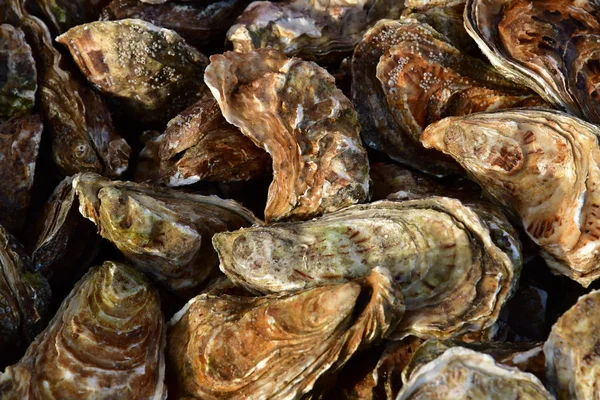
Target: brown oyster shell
pixel 19 76
pixel 24 300
pixel 542 165
pixel 166 234
pixel 379 128
pixel 106 341
pixel 571 350
pixel 151 70
pixel 438 251
pixel 463 373
pixel 19 147
pixel 82 134
pixel 425 78
pixel 311 29
pixel 551 46
pixel 277 346
pixel 199 23
pixel 199 144
pixel 293 110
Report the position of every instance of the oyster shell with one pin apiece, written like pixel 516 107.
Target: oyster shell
pixel 550 46
pixel 162 232
pixel 437 250
pixel 571 350
pixel 19 76
pixel 65 14
pixel 19 148
pixel 314 30
pixel 151 70
pixel 379 128
pixel 199 144
pixel 106 341
pixel 199 23
pixel 542 165
pixel 277 346
pixel 24 300
pixel 83 137
pixel 463 373
pixel 293 110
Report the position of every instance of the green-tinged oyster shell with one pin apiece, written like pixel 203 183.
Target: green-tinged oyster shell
pixel 65 14
pixel 151 70
pixel 106 341
pixel 293 110
pixel 544 166
pixel 460 373
pixel 551 46
pixel 164 233
pixel 453 277
pixel 24 300
pixel 572 356
pixel 277 346
pixel 82 134
pixel 18 76
pixel 314 30
pixel 19 147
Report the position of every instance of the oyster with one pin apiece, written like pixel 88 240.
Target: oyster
pixel 314 30
pixel 19 147
pixel 277 346
pixel 19 76
pixel 379 128
pixel 162 232
pixel 199 23
pixel 550 46
pixel 199 144
pixel 24 299
pixel 571 350
pixel 83 137
pixel 106 341
pixel 542 165
pixel 293 110
pixel 151 70
pixel 437 250
pixel 65 14
pixel 460 373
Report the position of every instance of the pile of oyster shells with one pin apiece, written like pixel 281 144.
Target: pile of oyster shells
pixel 299 199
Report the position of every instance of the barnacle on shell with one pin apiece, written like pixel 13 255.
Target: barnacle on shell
pixel 572 356
pixel 543 166
pixel 105 342
pixel 151 70
pixel 439 251
pixel 277 346
pixel 551 46
pixel 293 110
pixel 165 233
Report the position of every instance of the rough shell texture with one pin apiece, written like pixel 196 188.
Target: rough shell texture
pixel 425 78
pixel 199 144
pixel 164 233
pixel 572 357
pixel 19 146
pixel 551 46
pixel 317 30
pixel 151 70
pixel 278 346
pixel 542 165
pixel 80 124
pixel 199 23
pixel 65 14
pixel 460 373
pixel 24 299
pixel 106 341
pixel 18 76
pixel 293 110
pixel 379 128
pixel 453 277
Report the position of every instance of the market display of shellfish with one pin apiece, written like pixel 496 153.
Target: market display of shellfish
pixel 299 199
